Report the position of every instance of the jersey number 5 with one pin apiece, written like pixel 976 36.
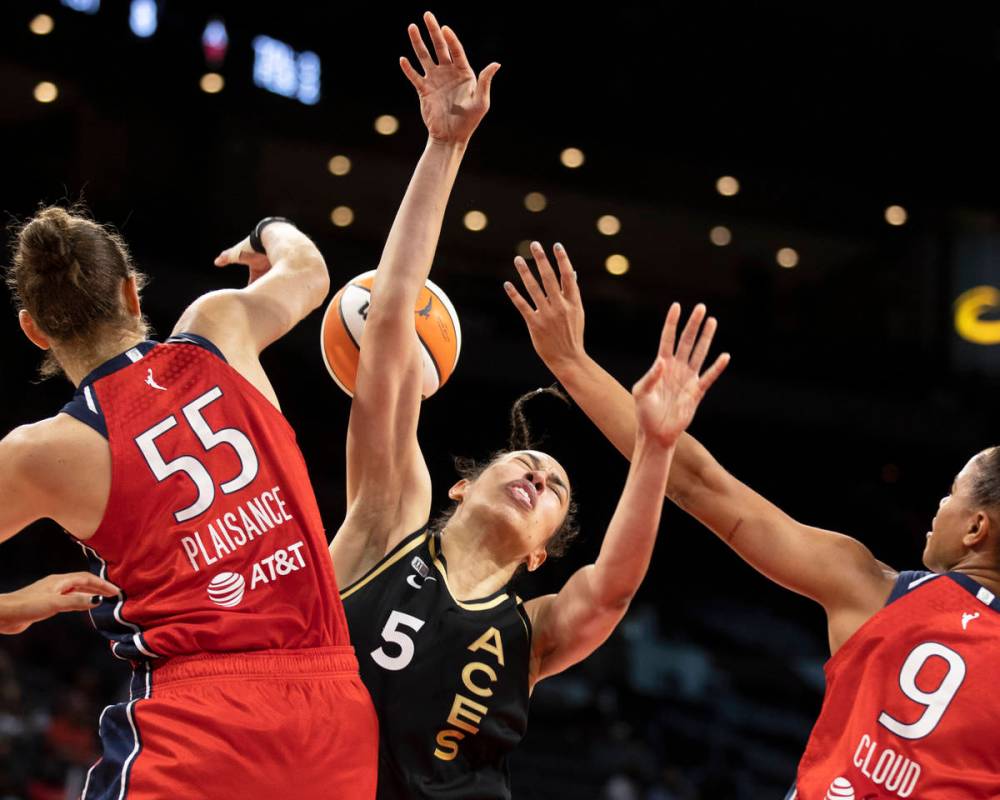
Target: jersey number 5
pixel 935 702
pixel 393 635
pixel 190 465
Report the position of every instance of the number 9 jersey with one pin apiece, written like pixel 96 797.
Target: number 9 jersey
pixel 211 527
pixel 911 705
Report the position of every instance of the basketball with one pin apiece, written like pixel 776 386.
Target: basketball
pixel 436 323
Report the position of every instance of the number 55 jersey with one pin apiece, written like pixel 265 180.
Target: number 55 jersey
pixel 244 681
pixel 911 706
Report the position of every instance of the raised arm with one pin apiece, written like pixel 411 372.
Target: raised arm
pixel 388 486
pixel 833 569
pixel 570 625
pixel 286 282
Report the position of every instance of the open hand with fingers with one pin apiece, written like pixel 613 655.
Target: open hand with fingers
pixel 556 321
pixel 453 100
pixel 667 396
pixel 74 591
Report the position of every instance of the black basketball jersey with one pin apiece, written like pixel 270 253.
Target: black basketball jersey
pixel 449 678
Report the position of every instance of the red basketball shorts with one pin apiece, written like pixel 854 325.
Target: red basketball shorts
pixel 255 726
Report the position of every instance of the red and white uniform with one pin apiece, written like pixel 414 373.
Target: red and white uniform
pixel 911 704
pixel 245 682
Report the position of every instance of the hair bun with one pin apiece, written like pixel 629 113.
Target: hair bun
pixel 47 243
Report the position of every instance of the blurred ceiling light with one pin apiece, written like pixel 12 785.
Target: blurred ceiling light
pixel 215 41
pixel 572 157
pixel 616 264
pixel 85 6
pixel 339 165
pixel 535 201
pixel 475 220
pixel 895 215
pixel 727 186
pixel 387 125
pixel 142 18
pixel 342 216
pixel 41 25
pixel 720 235
pixel 46 92
pixel 609 225
pixel 787 258
pixel 212 83
pixel 524 249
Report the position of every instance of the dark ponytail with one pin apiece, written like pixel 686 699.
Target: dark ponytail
pixel 520 438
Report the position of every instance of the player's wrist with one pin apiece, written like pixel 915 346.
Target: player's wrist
pixel 257 234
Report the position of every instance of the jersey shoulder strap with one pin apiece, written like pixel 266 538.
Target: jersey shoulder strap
pixel 197 341
pixel 85 406
pixel 405 547
pixel 909 580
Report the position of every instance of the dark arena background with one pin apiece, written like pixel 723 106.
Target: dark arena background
pixel 825 178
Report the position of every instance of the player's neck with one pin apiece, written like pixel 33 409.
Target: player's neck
pixel 77 364
pixel 474 569
pixel 986 575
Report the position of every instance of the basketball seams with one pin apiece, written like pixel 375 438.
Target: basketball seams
pixel 438 331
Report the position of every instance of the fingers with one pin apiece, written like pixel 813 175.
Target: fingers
pixel 411 74
pixel 437 38
pixel 87 583
pixel 669 331
pixel 690 333
pixel 519 302
pixel 455 48
pixel 713 372
pixel 530 284
pixel 76 601
pixel 545 270
pixel 703 345
pixel 646 383
pixel 567 275
pixel 419 48
pixel 485 81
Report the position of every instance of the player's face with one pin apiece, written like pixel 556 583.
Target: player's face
pixel 530 492
pixel 955 515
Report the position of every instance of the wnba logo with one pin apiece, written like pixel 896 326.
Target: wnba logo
pixel 226 589
pixel 840 789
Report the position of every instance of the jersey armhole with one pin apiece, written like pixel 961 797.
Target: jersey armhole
pixel 405 546
pixel 197 341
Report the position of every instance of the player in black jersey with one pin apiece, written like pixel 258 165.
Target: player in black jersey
pixel 448 652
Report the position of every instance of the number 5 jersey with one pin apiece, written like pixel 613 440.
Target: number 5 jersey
pixel 911 704
pixel 449 678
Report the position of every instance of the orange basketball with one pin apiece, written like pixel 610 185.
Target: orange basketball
pixel 436 322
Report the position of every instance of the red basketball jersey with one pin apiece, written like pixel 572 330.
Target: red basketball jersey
pixel 911 707
pixel 211 529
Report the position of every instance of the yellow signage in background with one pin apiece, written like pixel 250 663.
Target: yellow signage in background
pixel 971 307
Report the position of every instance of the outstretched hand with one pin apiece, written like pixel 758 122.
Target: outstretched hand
pixel 453 100
pixel 556 321
pixel 667 396
pixel 75 591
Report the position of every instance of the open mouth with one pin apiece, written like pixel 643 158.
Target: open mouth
pixel 523 494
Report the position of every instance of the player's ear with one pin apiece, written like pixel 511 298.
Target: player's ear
pixel 535 559
pixel 32 331
pixel 457 492
pixel 978 531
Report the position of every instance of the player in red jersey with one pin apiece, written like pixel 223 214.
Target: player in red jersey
pixel 174 468
pixel 910 706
